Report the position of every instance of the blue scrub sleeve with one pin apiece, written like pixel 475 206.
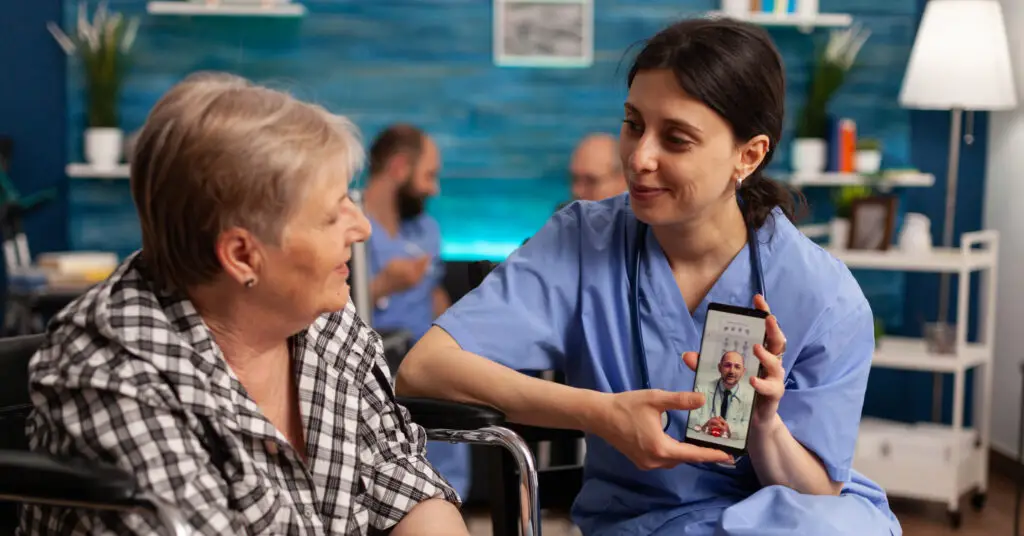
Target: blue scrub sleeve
pixel 825 390
pixel 437 270
pixel 522 314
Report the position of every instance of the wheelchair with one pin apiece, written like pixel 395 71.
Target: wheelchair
pixel 29 477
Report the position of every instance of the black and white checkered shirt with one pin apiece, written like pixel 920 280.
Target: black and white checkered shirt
pixel 133 377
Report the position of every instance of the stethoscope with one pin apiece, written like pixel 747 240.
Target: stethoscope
pixel 714 396
pixel 633 265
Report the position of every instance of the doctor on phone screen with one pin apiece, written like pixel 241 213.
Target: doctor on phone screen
pixel 727 399
pixel 615 293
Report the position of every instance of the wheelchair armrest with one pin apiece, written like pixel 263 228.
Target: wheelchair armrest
pixel 531 434
pixel 41 478
pixel 434 414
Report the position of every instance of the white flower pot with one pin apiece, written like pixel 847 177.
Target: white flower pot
pixel 810 155
pixel 807 8
pixel 839 233
pixel 735 8
pixel 104 147
pixel 868 162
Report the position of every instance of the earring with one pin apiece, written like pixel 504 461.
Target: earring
pixel 739 182
pixel 250 283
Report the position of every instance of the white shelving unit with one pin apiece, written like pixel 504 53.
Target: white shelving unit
pixel 260 8
pixel 931 461
pixel 86 171
pixel 908 179
pixel 889 180
pixel 804 23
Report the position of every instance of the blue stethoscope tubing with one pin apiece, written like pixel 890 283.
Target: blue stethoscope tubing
pixel 633 265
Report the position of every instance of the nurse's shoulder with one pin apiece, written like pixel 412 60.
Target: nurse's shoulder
pixel 599 223
pixel 813 283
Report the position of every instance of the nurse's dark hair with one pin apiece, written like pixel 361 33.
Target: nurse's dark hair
pixel 733 68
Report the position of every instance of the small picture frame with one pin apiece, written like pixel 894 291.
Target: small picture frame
pixel 544 33
pixel 872 220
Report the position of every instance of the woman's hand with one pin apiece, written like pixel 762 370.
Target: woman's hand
pixel 631 422
pixel 771 384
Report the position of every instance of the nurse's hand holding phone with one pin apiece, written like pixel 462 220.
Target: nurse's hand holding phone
pixel 770 385
pixel 631 422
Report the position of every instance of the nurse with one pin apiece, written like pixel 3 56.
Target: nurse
pixel 701 122
pixel 406 270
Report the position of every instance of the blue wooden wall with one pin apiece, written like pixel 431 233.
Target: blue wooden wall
pixel 506 133
pixel 33 113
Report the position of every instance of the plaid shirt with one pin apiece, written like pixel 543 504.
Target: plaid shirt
pixel 132 376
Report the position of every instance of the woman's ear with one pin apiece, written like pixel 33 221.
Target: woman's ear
pixel 751 154
pixel 241 255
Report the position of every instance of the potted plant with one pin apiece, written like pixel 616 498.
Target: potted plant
pixel 833 62
pixel 102 48
pixel 868 160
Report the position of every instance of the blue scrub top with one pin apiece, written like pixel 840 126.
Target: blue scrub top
pixel 411 309
pixel 560 301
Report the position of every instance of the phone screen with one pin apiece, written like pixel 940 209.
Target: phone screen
pixel 724 368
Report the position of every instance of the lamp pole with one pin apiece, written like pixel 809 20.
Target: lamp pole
pixel 952 173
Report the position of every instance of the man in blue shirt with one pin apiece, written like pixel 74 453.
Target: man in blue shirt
pixel 595 168
pixel 406 270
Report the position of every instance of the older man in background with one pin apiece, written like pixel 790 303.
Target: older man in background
pixel 406 270
pixel 596 169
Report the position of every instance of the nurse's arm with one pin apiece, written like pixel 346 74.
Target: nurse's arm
pixel 437 367
pixel 812 450
pixel 779 459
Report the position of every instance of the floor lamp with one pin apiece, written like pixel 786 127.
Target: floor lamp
pixel 960 62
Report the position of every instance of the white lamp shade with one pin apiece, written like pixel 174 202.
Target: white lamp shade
pixel 960 59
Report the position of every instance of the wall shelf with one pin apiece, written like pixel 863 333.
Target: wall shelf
pixel 805 23
pixel 905 353
pixel 888 180
pixel 226 8
pixel 86 171
pixel 938 260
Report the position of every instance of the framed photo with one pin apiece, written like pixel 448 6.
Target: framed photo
pixel 544 33
pixel 871 223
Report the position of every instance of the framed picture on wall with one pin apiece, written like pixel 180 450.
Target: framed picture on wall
pixel 544 33
pixel 872 220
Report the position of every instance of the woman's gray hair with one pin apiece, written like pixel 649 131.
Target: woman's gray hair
pixel 217 152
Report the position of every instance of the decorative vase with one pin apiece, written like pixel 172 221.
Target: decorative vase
pixel 940 338
pixel 104 147
pixel 838 233
pixel 809 156
pixel 868 162
pixel 916 234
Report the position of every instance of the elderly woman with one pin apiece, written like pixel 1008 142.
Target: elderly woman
pixel 223 364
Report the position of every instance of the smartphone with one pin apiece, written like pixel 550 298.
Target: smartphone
pixel 724 367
